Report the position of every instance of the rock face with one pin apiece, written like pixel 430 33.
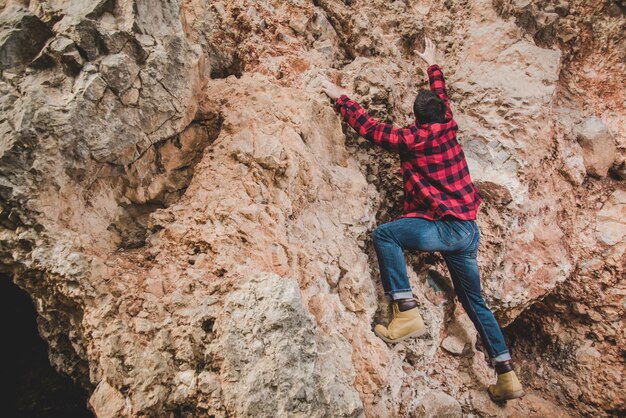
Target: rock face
pixel 193 220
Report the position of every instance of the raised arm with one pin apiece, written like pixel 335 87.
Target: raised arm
pixel 435 75
pixel 438 85
pixel 387 136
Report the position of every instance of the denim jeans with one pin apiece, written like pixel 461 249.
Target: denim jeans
pixel 457 240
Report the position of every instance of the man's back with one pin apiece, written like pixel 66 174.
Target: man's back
pixel 434 170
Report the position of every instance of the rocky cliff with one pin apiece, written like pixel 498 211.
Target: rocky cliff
pixel 192 219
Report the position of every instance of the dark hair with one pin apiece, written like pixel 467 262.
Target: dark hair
pixel 428 107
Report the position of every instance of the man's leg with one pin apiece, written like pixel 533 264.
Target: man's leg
pixel 463 268
pixel 465 276
pixel 390 240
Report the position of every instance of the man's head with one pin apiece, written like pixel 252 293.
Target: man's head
pixel 428 107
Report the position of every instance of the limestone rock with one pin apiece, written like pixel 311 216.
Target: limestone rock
pixel 453 345
pixel 193 220
pixel 598 147
pixel 270 357
pixel 611 219
pixel 107 402
pixel 119 71
pixel 438 404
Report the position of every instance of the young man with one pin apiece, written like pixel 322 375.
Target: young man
pixel 440 206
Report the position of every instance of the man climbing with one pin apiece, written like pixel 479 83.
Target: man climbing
pixel 440 207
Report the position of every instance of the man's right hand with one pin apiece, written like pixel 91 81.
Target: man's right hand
pixel 429 52
pixel 332 90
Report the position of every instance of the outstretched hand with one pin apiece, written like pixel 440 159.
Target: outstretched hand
pixel 429 52
pixel 332 90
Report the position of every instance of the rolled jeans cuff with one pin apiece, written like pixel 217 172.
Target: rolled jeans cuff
pixel 502 357
pixel 405 294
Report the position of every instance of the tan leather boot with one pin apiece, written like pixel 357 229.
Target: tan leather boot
pixel 507 387
pixel 405 324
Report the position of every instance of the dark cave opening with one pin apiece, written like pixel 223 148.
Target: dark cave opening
pixel 32 387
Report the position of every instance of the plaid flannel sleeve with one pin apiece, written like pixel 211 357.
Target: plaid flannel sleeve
pixel 387 136
pixel 438 85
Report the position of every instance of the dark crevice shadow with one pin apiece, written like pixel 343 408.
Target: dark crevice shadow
pixel 32 387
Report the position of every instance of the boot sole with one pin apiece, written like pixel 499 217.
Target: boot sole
pixel 417 333
pixel 514 395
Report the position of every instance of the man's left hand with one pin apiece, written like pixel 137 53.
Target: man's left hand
pixel 332 90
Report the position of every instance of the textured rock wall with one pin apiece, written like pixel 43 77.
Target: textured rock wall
pixel 193 221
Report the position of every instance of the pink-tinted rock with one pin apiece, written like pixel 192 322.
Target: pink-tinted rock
pixel 187 210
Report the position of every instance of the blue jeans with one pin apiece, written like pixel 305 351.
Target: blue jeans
pixel 457 240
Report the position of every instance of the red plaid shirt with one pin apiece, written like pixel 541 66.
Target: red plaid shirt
pixel 436 177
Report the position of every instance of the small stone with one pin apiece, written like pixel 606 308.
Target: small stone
pixel 94 87
pixel 436 404
pixel 573 164
pixel 130 97
pixel 72 62
pixel 145 40
pixel 598 146
pixel 107 402
pixel 453 345
pixel 298 24
pixel 586 353
pixel 494 193
pixel 325 47
pixel 208 383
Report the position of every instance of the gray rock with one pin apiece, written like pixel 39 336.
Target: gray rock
pixel 64 49
pixel 86 34
pixel 271 359
pixel 119 71
pixel 22 36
